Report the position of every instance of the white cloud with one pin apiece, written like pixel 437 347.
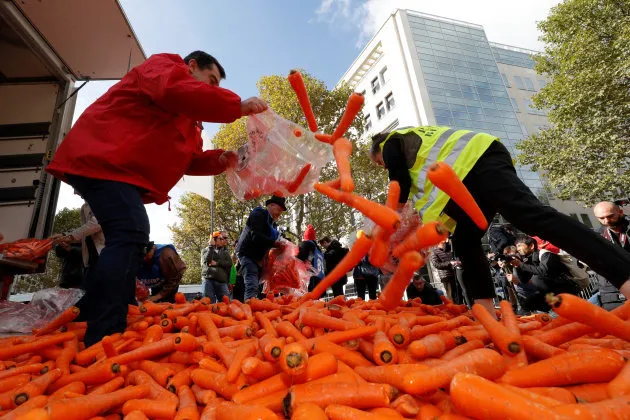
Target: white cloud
pixel 505 22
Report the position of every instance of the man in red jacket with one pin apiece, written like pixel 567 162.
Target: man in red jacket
pixel 130 147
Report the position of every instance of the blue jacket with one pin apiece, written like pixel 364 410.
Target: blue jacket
pixel 258 236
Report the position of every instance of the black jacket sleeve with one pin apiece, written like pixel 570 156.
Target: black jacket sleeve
pixel 259 225
pixel 394 160
pixel 549 266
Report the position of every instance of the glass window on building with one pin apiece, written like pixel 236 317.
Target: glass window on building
pixel 542 83
pixel 523 129
pixel 376 86
pixel 384 75
pixel 390 103
pixel 368 122
pixel 380 110
pixel 586 220
pixel 529 83
pixel 506 82
pixel 519 82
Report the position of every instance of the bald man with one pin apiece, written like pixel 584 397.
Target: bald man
pixel 615 229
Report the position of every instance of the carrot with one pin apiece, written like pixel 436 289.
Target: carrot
pixel 597 365
pixel 21 411
pixel 529 326
pixel 63 319
pixel 558 394
pixel 355 102
pixel 107 387
pixel 384 352
pixel 299 178
pixel 580 310
pixel 348 357
pixel 344 393
pixel 342 150
pixel 265 324
pixel 211 364
pixel 317 319
pixel 134 415
pixel 286 329
pixel 92 405
pixel 462 349
pixel 508 317
pixel 392 375
pixel 9 352
pixel 615 408
pixel 156 392
pixel 165 324
pixel 394 290
pixel 94 375
pixel 537 397
pixel 180 322
pixel 358 250
pixel 214 381
pixel 237 332
pixel 151 408
pixel 564 333
pixel 203 396
pixel 180 297
pixel 589 392
pixel 159 372
pixel 34 388
pixel 539 349
pixel 388 219
pixel 230 411
pixel 482 398
pixel 385 413
pixel 508 342
pixel 257 369
pixel 297 83
pixel 180 379
pixel 151 309
pixel 153 333
pixel 35 368
pixel 425 236
pixel 219 349
pixel 483 362
pixel 187 409
pixel 445 178
pixel 309 411
pixel 147 351
pixel 345 412
pixel 294 359
pixel 234 368
pixel 620 385
pixel 13 382
pixel 192 325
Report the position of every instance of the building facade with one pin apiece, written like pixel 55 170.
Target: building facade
pixel 421 69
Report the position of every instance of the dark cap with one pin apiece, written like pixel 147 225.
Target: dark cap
pixel 277 200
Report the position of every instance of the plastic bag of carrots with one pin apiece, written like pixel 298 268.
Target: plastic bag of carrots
pixel 279 158
pixel 409 222
pixel 283 273
pixel 29 249
pixel 46 305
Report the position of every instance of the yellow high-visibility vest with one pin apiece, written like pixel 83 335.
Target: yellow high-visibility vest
pixel 427 144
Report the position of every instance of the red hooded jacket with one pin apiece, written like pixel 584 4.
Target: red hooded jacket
pixel 144 131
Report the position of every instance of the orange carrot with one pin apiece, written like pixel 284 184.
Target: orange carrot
pixel 265 324
pixel 148 351
pixel 597 365
pixel 350 358
pixel 342 150
pixel 355 102
pixel 434 345
pixel 187 409
pixel 538 349
pixel 425 236
pixel 358 250
pixel 558 394
pixel 345 412
pixel 297 83
pixel 134 415
pixel 299 178
pixel 159 372
pixel 429 412
pixel 153 333
pixel 445 178
pixel 230 411
pixel 294 359
pixel 620 385
pixel 180 297
pixel 483 362
pixel 9 352
pixel 614 408
pixel 481 398
pixel 384 352
pixel 91 405
pixel 107 387
pixel 508 342
pixel 317 319
pixel 34 388
pixel 13 382
pixel 151 408
pixel 234 370
pixel 257 369
pixel 203 396
pixel 589 392
pixel 394 290
pixel 462 349
pixel 20 412
pixel 63 319
pixel 309 411
pixel 271 347
pixel 94 375
pixel 211 364
pixel 156 392
pixel 214 381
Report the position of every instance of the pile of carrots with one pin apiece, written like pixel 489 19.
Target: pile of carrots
pixel 346 359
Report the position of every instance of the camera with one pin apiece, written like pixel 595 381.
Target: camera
pixel 502 257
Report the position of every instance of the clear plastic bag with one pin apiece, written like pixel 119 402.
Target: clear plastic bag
pixel 29 249
pixel 279 158
pixel 284 273
pixel 409 222
pixel 45 306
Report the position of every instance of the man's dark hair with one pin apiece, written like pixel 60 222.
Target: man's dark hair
pixel 377 139
pixel 205 61
pixel 527 240
pixel 325 239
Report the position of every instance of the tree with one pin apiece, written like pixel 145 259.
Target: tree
pixel 584 153
pixel 65 221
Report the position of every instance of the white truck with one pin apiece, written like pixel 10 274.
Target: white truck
pixel 46 47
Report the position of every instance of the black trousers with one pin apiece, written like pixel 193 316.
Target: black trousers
pixel 370 283
pixel 496 188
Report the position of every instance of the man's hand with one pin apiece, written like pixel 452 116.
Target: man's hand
pixel 253 105
pixel 229 159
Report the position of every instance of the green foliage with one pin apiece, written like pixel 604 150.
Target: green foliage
pixel 65 221
pixel 327 216
pixel 584 152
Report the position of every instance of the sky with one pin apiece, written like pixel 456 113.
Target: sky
pixel 257 38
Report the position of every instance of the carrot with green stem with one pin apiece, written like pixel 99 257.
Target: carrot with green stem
pixel 508 342
pixel 358 250
pixel 597 365
pixel 394 290
pixel 355 102
pixel 425 236
pixel 62 320
pixel 481 398
pixel 483 362
pixel 383 352
pixel 342 150
pixel 299 178
pixel 445 178
pixel 151 408
pixel 297 83
pixel 577 309
pixel 294 359
pixel 92 405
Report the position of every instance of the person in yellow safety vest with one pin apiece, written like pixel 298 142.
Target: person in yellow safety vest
pixel 487 170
